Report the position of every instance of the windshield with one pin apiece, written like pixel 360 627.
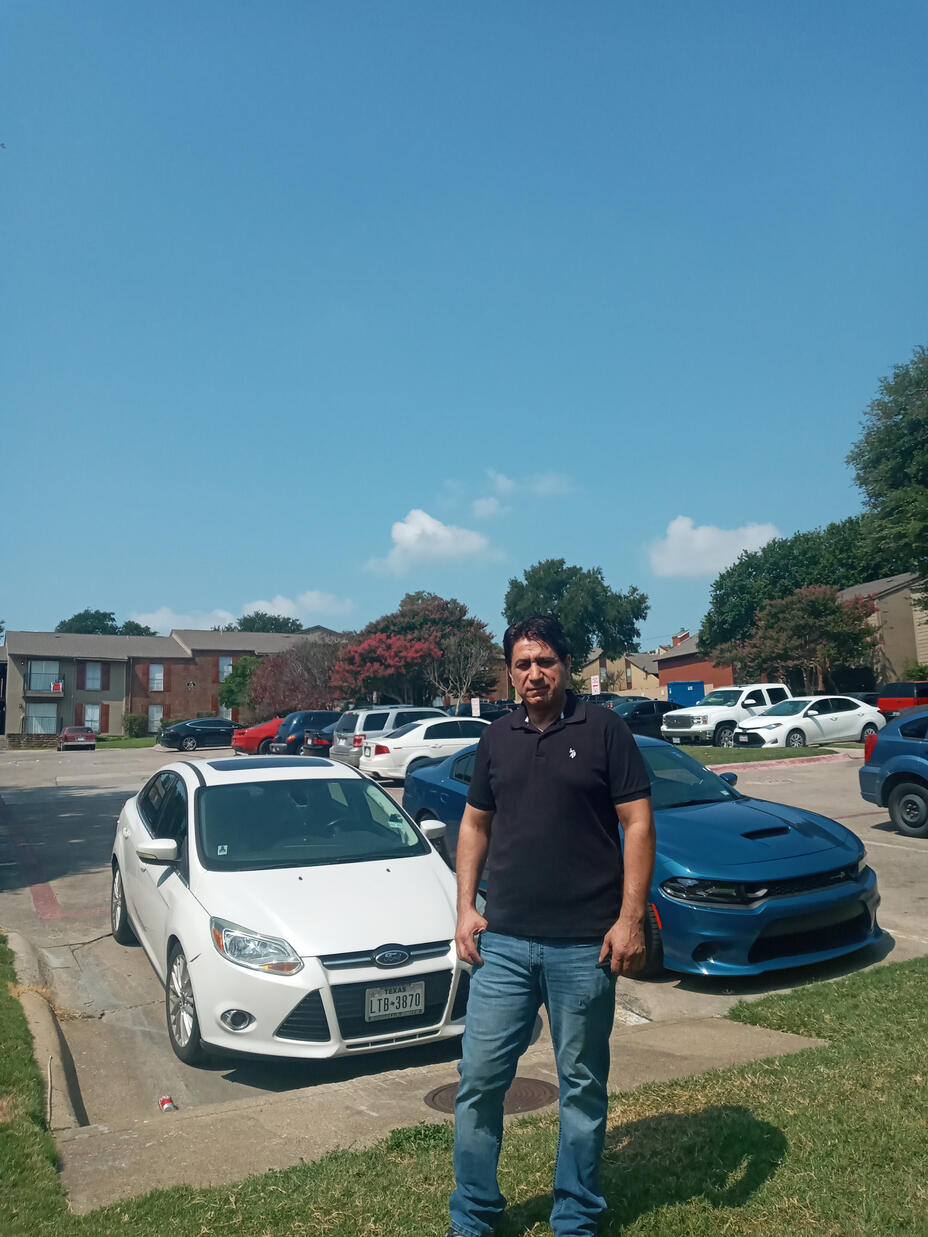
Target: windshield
pixel 623 709
pixel 300 823
pixel 722 697
pixel 678 779
pixel 787 708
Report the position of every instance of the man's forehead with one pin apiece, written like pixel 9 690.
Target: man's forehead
pixel 529 649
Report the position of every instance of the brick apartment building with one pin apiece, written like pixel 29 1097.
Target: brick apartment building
pixel 50 680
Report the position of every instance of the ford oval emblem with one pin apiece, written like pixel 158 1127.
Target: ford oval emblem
pixel 391 955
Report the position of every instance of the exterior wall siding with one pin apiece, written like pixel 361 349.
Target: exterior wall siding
pixel 682 669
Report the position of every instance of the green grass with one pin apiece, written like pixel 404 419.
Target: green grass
pixel 830 1142
pixel 114 741
pixel 746 755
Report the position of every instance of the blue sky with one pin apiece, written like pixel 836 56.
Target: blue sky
pixel 311 304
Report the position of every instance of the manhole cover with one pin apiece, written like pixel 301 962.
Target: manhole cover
pixel 524 1095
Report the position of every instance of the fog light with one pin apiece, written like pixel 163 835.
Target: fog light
pixel 236 1019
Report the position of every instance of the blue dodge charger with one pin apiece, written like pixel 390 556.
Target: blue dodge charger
pixel 741 885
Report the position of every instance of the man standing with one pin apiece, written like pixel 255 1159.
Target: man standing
pixel 564 917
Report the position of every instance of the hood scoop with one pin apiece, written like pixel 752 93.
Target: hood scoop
pixel 775 831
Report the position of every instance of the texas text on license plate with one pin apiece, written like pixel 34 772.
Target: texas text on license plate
pixel 394 1002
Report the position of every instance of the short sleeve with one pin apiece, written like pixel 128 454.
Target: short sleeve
pixel 628 777
pixel 480 793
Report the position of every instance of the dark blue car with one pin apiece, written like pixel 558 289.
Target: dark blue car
pixel 741 886
pixel 894 774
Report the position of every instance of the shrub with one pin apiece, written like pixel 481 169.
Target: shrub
pixel 917 670
pixel 134 725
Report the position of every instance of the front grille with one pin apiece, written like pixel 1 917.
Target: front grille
pixel 350 1002
pixel 365 957
pixel 748 738
pixel 677 721
pixel 806 884
pixel 307 1021
pixel 799 940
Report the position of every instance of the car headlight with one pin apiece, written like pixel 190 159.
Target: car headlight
pixel 770 726
pixel 259 953
pixel 701 720
pixel 718 893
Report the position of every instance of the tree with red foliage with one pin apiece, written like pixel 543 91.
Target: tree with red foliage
pixel 388 665
pixel 811 632
pixel 297 678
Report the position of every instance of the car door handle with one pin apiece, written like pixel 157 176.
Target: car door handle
pixel 125 832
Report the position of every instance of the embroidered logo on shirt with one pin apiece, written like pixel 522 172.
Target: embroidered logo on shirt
pixel 571 753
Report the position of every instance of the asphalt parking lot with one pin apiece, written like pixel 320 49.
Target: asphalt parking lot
pixel 56 828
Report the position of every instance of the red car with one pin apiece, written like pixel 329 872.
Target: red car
pixel 77 736
pixel 255 740
pixel 896 697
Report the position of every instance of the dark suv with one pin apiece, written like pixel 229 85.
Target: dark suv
pixel 894 774
pixel 289 738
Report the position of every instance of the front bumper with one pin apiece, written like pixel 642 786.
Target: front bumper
pixel 698 734
pixel 320 1012
pixel 782 932
pixel 758 738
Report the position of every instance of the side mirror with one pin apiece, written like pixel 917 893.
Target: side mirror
pixel 434 830
pixel 812 711
pixel 730 778
pixel 158 850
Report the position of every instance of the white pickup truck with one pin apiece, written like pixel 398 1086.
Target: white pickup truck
pixel 714 718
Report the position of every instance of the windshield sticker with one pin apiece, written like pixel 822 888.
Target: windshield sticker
pixel 222 850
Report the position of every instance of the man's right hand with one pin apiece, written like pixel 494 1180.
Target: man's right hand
pixel 470 922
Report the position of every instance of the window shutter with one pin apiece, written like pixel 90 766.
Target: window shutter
pixel 81 676
pixel 166 709
pixel 141 671
pixel 105 677
pixel 78 715
pixel 104 719
pixel 215 678
pixel 214 704
pixel 167 676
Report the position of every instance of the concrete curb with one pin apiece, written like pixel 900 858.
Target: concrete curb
pixel 64 1107
pixel 835 758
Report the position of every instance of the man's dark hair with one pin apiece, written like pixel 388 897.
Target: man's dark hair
pixel 541 627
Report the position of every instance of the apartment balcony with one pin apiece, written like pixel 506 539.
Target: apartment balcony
pixel 44 687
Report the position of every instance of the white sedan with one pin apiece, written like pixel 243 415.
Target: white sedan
pixel 392 756
pixel 804 721
pixel 289 907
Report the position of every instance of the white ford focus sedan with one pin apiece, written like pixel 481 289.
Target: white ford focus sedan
pixel 289 907
pixel 392 756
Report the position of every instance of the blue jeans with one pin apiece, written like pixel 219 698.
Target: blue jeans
pixel 519 975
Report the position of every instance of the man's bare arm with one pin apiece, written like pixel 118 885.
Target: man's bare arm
pixel 623 944
pixel 473 843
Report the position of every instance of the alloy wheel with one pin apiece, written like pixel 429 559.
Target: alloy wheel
pixel 181 1009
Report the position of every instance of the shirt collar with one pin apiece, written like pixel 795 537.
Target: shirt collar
pixel 574 711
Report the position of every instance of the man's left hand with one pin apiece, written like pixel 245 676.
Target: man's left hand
pixel 623 947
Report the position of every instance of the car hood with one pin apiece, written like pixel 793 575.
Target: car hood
pixel 759 721
pixel 715 837
pixel 338 908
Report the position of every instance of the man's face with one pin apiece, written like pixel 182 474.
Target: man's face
pixel 537 674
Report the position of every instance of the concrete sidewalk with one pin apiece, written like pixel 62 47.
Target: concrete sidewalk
pixel 220 1143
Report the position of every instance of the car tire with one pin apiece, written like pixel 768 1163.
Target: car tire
pixel 119 916
pixel 908 809
pixel 180 1010
pixel 653 946
pixel 795 738
pixel 188 743
pixel 263 747
pixel 724 735
pixel 868 730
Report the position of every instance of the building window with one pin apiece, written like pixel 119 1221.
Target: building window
pixel 155 712
pixel 41 718
pixel 156 677
pixel 225 712
pixel 225 668
pixel 92 717
pixel 41 676
pixel 93 676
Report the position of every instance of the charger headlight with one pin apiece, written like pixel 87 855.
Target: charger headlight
pixel 254 950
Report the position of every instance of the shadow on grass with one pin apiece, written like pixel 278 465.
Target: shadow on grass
pixel 721 1155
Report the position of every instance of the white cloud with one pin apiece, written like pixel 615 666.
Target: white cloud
pixel 500 483
pixel 690 549
pixel 421 538
pixel 548 483
pixel 486 508
pixel 308 607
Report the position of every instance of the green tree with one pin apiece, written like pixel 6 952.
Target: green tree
pixel 890 462
pixel 809 632
pixel 840 554
pixel 235 690
pixel 590 612
pixel 260 620
pixel 90 623
pixel 131 628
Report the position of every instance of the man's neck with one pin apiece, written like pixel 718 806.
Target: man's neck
pixel 541 719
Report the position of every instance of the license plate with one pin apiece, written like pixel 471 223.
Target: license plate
pixel 397 1001
pixel 367 751
pixel 742 738
pixel 676 738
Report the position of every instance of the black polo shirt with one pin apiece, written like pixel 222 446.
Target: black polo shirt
pixel 554 866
